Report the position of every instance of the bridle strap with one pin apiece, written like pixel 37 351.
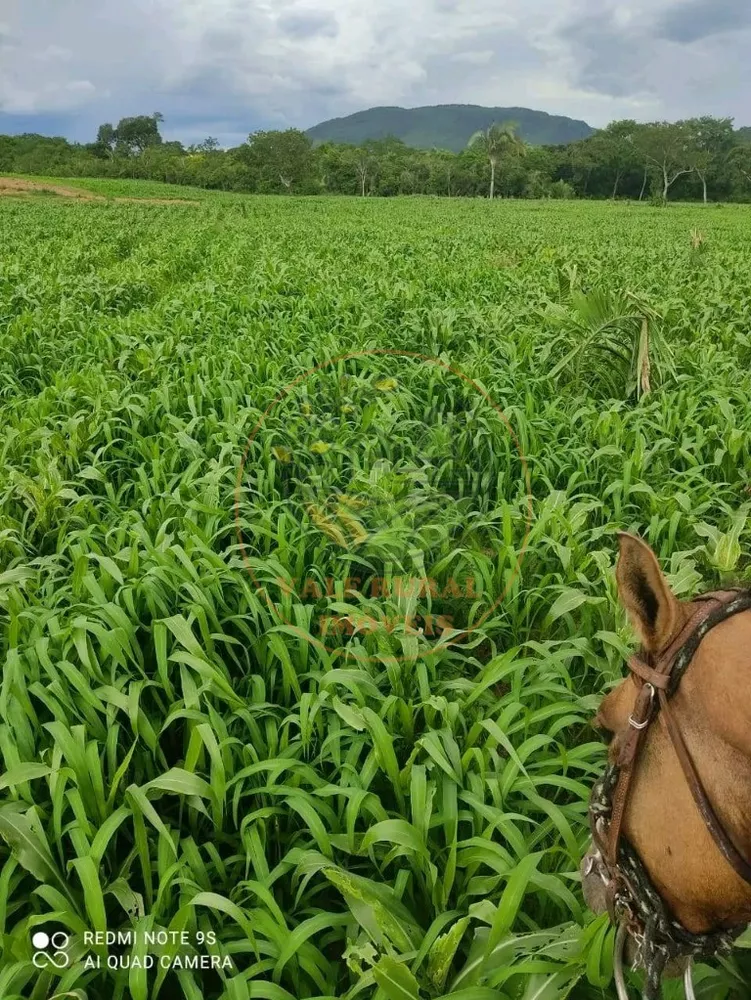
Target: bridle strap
pixel 628 753
pixel 654 680
pixel 649 674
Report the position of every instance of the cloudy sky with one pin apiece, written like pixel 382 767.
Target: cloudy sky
pixel 227 67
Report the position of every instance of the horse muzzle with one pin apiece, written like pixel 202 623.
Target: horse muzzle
pixel 594 883
pixel 595 891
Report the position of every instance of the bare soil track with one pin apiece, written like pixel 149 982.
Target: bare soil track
pixel 19 187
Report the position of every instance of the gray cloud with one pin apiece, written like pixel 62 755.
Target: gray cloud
pixel 612 58
pixel 304 25
pixel 697 19
pixel 628 52
pixel 226 67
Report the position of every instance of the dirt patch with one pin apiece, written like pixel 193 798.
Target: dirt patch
pixel 19 187
pixel 15 185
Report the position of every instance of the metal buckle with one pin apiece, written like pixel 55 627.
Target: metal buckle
pixel 643 725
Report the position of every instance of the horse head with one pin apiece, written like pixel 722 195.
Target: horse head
pixel 671 818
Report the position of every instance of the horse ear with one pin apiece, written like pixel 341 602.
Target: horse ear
pixel 652 606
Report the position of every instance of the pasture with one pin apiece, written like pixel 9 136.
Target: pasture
pixel 299 654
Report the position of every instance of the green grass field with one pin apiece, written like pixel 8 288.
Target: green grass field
pixel 132 188
pixel 222 710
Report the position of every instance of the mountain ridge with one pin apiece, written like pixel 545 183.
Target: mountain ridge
pixel 447 126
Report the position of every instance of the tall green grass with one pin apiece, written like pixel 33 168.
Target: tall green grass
pixel 382 814
pixel 126 188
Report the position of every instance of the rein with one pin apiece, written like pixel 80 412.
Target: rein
pixel 633 902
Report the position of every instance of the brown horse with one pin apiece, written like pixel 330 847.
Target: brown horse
pixel 712 707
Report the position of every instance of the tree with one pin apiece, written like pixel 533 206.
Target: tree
pixel 106 138
pixel 739 161
pixel 613 147
pixel 138 133
pixel 497 142
pixel 668 147
pixel 583 159
pixel 645 178
pixel 365 162
pixel 160 162
pixel 443 166
pixel 335 168
pixel 537 186
pixel 712 139
pixel 209 145
pixel 281 160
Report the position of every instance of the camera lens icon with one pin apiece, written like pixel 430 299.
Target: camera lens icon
pixel 50 949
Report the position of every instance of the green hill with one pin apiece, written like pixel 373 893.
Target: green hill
pixel 447 126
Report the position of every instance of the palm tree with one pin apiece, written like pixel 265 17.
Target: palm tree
pixel 496 142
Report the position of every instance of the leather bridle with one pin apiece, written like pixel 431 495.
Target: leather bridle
pixel 630 894
pixel 654 679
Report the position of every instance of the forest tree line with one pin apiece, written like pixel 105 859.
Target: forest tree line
pixel 700 158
